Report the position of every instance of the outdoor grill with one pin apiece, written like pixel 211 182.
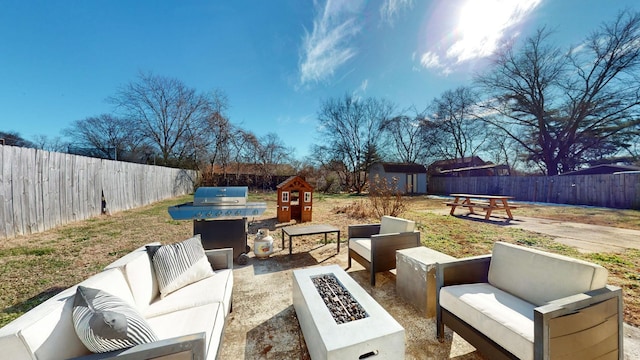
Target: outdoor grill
pixel 219 215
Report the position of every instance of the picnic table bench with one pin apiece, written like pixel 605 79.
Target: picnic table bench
pixel 488 203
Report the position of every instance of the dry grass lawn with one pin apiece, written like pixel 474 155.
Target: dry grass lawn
pixel 35 267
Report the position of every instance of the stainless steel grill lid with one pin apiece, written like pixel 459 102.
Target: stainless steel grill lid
pixel 218 203
pixel 231 195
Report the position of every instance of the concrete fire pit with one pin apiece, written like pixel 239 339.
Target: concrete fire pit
pixel 375 336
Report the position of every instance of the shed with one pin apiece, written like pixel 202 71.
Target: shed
pixel 295 200
pixel 412 178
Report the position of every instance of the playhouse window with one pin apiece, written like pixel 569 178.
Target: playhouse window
pixel 295 197
pixel 285 196
pixel 307 196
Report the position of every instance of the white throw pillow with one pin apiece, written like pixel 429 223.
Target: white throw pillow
pixel 180 264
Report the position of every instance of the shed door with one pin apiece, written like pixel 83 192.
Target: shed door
pixel 412 183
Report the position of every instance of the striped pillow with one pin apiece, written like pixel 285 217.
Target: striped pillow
pixel 105 322
pixel 180 264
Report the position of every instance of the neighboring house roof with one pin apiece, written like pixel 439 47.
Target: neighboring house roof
pixel 453 163
pixel 602 169
pixel 481 167
pixel 403 168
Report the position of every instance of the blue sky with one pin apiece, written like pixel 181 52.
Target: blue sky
pixel 276 60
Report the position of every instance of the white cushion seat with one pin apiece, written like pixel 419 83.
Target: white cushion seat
pixel 362 246
pixel 214 289
pixel 504 318
pixel 206 318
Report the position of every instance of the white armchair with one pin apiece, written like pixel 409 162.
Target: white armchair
pixel 374 245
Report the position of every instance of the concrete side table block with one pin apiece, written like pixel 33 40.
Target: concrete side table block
pixel 416 277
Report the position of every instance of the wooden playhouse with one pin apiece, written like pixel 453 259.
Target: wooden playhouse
pixel 294 200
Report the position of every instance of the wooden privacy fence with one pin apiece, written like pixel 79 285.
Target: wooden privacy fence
pixel 612 190
pixel 40 190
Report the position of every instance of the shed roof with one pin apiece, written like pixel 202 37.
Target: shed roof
pixel 408 168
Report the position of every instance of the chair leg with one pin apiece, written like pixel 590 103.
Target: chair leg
pixel 349 261
pixel 373 277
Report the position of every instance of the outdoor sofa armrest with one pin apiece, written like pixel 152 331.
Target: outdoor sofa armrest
pixel 191 347
pixel 220 258
pixel 468 270
pixel 581 326
pixel 363 230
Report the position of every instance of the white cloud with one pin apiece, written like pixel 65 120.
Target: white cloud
pixel 359 92
pixel 328 46
pixel 364 85
pixel 430 60
pixel 390 9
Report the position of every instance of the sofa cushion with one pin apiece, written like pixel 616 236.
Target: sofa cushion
pixel 105 322
pixel 362 246
pixel 208 318
pixel 539 277
pixel 180 264
pixel 390 225
pixel 214 289
pixel 504 318
pixel 142 280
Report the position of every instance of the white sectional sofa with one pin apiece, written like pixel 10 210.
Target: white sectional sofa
pixel 522 303
pixel 188 323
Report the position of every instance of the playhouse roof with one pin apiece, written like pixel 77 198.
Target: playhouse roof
pixel 294 182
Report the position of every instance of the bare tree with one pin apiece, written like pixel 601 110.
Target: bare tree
pixel 14 139
pixel 55 144
pixel 405 138
pixel 352 131
pixel 106 134
pixel 567 108
pixel 169 114
pixel 454 124
pixel 220 131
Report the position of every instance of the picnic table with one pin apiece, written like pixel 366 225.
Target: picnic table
pixel 488 203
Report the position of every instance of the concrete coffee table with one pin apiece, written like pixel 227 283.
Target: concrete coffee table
pixel 416 277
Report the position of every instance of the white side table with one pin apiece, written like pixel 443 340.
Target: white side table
pixel 416 277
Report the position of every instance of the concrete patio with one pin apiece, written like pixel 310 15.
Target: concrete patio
pixel 263 324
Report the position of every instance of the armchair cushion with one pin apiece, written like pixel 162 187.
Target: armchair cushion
pixel 525 272
pixel 508 319
pixel 390 225
pixel 362 246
